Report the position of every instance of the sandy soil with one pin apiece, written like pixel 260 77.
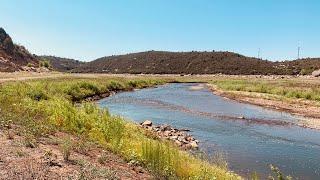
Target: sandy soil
pixel 307 109
pixel 45 161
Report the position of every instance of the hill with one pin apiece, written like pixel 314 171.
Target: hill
pixel 62 64
pixel 14 57
pixel 302 66
pixel 161 62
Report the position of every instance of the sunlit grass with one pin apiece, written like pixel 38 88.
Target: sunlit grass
pixel 43 107
pixel 283 88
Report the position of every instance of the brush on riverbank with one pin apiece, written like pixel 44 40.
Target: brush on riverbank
pixel 300 96
pixel 40 108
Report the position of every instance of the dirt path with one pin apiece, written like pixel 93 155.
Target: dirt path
pixel 303 108
pixel 22 76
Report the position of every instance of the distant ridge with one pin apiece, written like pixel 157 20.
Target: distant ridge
pixel 162 62
pixel 16 58
pixel 62 64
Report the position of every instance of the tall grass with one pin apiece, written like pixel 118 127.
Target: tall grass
pixel 43 107
pixel 283 88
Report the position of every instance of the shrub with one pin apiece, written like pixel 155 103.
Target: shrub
pixel 161 159
pixel 37 95
pixel 115 86
pixel 30 141
pixel 44 63
pixel 66 148
pixel 278 174
pixel 81 90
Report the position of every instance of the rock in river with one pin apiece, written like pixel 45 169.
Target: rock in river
pixel 147 123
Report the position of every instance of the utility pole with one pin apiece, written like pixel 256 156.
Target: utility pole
pixel 259 53
pixel 298 52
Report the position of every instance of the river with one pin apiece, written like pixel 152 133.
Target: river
pixel 251 137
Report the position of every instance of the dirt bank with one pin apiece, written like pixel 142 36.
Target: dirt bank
pixel 45 160
pixel 308 109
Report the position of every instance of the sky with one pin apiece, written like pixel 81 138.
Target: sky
pixel 89 29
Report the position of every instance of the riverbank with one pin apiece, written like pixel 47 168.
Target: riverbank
pixel 297 96
pixel 46 160
pixel 249 138
pixel 42 108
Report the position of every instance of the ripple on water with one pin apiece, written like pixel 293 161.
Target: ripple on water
pixel 251 143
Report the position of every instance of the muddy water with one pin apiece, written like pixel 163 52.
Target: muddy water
pixel 263 137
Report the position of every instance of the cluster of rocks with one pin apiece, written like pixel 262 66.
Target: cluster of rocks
pixel 178 136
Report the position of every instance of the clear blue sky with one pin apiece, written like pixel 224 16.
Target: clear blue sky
pixel 88 29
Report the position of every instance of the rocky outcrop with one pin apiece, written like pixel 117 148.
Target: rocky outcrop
pixel 14 57
pixel 316 73
pixel 178 136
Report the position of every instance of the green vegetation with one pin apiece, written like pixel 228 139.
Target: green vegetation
pixel 44 63
pixel 43 107
pixel 292 89
pixel 29 65
pixel 278 174
pixel 66 148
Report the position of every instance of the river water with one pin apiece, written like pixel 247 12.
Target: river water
pixel 250 144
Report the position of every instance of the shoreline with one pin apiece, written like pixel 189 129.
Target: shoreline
pixel 310 114
pixel 311 117
pixel 164 132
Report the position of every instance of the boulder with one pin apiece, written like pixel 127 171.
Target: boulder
pixel 165 128
pixel 189 138
pixel 147 123
pixel 167 133
pixel 194 144
pixel 174 137
pixel 316 73
pixel 178 143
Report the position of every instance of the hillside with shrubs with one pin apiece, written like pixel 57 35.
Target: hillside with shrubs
pixel 161 62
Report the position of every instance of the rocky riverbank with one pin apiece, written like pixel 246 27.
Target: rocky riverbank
pixel 179 136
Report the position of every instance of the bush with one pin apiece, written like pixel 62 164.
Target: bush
pixel 37 95
pixel 81 90
pixel 66 148
pixel 115 86
pixel 278 174
pixel 45 63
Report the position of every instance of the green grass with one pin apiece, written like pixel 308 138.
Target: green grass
pixel 43 107
pixel 292 89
